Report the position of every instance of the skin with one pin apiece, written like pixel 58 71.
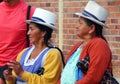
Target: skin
pixel 1 81
pixel 83 31
pixel 36 37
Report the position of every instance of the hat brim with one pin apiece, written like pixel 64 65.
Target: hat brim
pixel 42 23
pixel 92 19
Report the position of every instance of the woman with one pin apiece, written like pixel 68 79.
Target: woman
pixel 93 45
pixel 40 63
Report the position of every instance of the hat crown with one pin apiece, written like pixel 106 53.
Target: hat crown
pixel 95 13
pixel 98 11
pixel 45 16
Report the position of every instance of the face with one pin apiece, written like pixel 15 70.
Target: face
pixel 35 34
pixel 82 29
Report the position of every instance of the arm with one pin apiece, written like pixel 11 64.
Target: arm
pixel 13 79
pixel 100 55
pixel 53 68
pixel 10 79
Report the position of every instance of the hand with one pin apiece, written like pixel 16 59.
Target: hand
pixel 8 74
pixel 14 65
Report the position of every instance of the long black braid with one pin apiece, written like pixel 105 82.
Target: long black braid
pixel 98 28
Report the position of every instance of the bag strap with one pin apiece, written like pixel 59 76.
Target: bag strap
pixel 62 56
pixel 27 18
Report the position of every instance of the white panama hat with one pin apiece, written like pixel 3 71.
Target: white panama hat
pixel 44 17
pixel 95 13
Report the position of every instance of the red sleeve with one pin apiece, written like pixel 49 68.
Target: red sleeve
pixel 100 56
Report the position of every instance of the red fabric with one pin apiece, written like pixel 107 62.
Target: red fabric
pixel 12 30
pixel 73 50
pixel 100 59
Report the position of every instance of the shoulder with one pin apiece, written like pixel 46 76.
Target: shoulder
pixel 54 51
pixel 20 54
pixel 23 51
pixel 53 55
pixel 98 42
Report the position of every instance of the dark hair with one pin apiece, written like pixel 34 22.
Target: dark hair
pixel 1 0
pixel 48 34
pixel 98 28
